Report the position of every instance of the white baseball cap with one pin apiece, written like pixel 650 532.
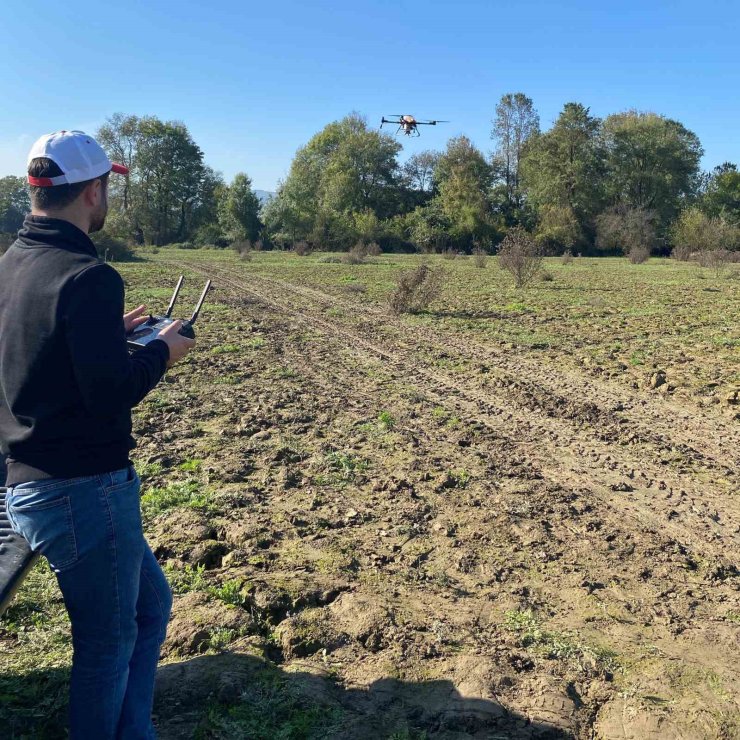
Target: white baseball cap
pixel 77 155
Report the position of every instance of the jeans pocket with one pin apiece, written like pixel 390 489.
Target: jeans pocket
pixel 120 480
pixel 48 526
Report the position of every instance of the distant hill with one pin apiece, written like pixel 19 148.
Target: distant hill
pixel 264 195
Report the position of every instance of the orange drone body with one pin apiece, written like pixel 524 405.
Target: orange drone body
pixel 408 124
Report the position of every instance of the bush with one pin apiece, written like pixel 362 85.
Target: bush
pixel 480 257
pixel 243 247
pixel 112 249
pixel 715 259
pixel 356 255
pixel 638 254
pixel 302 248
pixel 210 234
pixel 567 258
pixel 416 289
pixel 520 255
pixel 449 254
pixel 624 229
pixel 694 231
pixel 374 250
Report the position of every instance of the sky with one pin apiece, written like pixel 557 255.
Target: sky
pixel 254 81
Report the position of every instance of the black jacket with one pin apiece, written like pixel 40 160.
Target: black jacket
pixel 67 382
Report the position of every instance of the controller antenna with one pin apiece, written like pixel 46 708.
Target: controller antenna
pixel 200 302
pixel 174 296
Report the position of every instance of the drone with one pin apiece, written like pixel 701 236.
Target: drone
pixel 408 124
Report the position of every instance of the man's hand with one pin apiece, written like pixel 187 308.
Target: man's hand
pixel 178 344
pixel 134 318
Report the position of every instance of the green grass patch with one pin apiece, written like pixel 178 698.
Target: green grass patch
pixel 271 709
pixel 163 498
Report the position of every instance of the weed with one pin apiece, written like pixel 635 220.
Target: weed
pixel 157 499
pixel 556 645
pixel 386 421
pixel 225 348
pixel 186 579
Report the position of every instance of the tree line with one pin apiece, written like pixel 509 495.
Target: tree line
pixel 629 181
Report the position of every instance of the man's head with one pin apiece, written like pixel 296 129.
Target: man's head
pixel 68 178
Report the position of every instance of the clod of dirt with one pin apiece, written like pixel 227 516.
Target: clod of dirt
pixel 209 554
pixel 364 620
pixel 308 632
pixel 194 620
pixel 657 379
pixel 176 534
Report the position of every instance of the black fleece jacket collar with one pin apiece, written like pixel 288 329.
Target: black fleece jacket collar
pixel 44 231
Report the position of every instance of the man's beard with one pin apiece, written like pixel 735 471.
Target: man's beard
pixel 97 221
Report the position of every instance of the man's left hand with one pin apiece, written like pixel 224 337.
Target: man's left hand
pixel 134 318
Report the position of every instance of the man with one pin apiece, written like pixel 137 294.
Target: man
pixel 67 386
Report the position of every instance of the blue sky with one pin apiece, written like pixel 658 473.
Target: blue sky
pixel 254 81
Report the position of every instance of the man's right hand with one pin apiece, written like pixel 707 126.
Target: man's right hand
pixel 178 344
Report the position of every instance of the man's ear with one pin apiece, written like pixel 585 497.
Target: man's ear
pixel 93 193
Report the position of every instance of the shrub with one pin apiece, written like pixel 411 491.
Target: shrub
pixel 638 254
pixel 302 248
pixel 480 257
pixel 374 250
pixel 625 229
pixel 567 258
pixel 210 234
pixel 520 256
pixel 694 231
pixel 356 255
pixel 243 247
pixel 416 289
pixel 449 254
pixel 112 249
pixel 715 259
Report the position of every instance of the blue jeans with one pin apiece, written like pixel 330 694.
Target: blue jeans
pixel 117 597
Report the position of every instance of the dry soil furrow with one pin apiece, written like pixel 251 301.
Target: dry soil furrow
pixel 681 515
pixel 661 423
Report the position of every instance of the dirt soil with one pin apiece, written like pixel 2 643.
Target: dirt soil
pixel 519 550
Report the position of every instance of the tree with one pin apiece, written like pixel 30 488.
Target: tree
pixel 464 179
pixel 419 171
pixel 562 168
pixel 515 123
pixel 345 169
pixel 722 195
pixel 652 163
pixel 169 192
pixel 238 210
pixel 15 203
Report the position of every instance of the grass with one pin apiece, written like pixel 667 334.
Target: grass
pixel 557 645
pixel 271 709
pixel 190 494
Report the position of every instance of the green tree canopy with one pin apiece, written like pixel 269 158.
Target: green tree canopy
pixel 562 169
pixel 345 169
pixel 652 163
pixel 238 210
pixel 722 196
pixel 15 203
pixel 170 192
pixel 515 123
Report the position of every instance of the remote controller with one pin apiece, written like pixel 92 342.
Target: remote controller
pixel 151 328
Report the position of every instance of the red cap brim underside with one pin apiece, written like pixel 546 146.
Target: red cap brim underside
pixel 119 168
